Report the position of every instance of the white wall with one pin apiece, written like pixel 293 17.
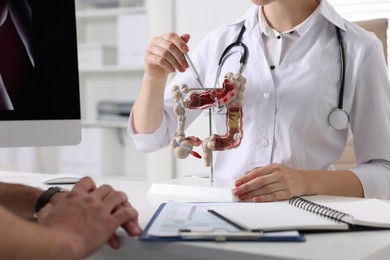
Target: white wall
pixel 196 17
pixel 200 16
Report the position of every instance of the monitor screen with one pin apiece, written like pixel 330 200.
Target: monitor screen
pixel 39 83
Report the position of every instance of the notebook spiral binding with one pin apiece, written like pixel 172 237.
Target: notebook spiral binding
pixel 318 209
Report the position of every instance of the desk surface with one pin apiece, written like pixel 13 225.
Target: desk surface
pixel 345 245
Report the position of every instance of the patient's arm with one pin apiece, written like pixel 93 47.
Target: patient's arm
pixel 19 199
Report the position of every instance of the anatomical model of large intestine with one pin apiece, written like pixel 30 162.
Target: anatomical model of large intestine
pixel 230 96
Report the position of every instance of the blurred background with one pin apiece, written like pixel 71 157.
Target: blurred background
pixel 112 39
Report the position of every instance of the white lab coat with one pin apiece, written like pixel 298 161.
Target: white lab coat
pixel 286 110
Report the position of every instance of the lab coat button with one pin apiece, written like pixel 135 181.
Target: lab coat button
pixel 266 95
pixel 264 142
pixel 268 31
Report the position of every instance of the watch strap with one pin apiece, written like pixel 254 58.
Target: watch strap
pixel 45 197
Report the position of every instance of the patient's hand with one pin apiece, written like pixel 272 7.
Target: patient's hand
pixel 88 216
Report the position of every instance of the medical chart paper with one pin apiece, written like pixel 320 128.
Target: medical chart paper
pixel 173 216
pixel 189 216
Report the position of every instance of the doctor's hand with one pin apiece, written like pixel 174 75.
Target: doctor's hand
pixel 164 55
pixel 270 183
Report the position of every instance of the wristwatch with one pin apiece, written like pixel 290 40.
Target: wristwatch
pixel 45 198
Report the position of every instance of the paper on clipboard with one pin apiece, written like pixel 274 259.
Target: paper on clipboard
pixel 187 216
pixel 191 221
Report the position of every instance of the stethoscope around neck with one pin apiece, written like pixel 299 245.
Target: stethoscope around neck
pixel 338 118
pixel 226 54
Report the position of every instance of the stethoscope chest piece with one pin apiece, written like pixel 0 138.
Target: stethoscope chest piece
pixel 338 119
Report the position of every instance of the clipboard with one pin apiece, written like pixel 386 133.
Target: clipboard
pixel 217 234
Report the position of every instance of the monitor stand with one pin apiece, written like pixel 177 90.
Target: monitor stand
pixel 194 189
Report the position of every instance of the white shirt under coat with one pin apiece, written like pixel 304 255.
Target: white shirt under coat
pixel 285 111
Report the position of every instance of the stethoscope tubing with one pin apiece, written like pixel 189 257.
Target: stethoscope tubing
pixel 338 118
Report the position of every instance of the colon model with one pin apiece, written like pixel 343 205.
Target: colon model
pixel 230 97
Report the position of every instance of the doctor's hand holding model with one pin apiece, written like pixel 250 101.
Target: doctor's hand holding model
pixel 313 80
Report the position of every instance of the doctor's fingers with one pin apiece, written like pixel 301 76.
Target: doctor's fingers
pixel 254 184
pixel 179 41
pixel 158 56
pixel 250 175
pixel 277 195
pixel 271 192
pixel 169 49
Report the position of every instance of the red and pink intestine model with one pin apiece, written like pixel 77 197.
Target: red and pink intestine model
pixel 230 96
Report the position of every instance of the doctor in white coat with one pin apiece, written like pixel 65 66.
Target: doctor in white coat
pixel 294 75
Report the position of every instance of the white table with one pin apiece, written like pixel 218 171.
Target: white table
pixel 345 245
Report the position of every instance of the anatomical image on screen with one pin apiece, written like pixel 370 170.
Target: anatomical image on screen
pixel 16 52
pixel 38 60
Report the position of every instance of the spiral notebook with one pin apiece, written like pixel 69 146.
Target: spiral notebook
pixel 303 214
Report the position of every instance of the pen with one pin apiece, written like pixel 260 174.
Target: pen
pixel 228 221
pixel 193 69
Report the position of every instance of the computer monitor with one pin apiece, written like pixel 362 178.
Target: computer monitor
pixel 39 81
